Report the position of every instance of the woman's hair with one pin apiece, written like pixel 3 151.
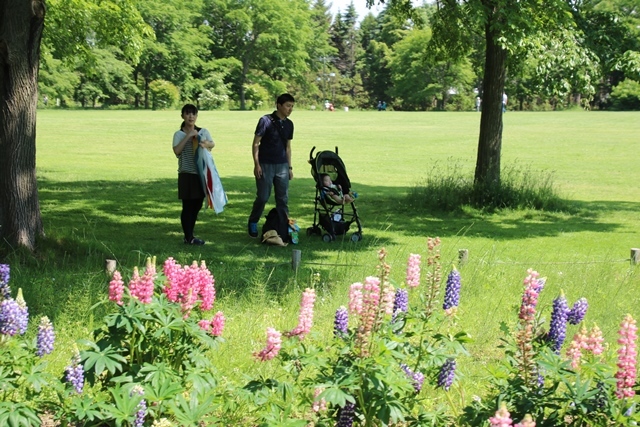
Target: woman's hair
pixel 189 108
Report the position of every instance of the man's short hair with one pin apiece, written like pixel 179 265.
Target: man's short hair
pixel 285 97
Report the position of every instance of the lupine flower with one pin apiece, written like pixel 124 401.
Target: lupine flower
pixel 388 298
pixel 578 343
pixel 9 317
pixel 532 288
pixel 578 311
pixel 417 378
pixel 341 322
pixel 274 342
pixel 447 374
pixel 627 354
pixel 305 318
pixel 318 404
pixel 369 314
pixel 502 417
pixel 217 324
pixel 46 337
pixel 413 271
pixel 355 298
pixel 527 421
pixel 185 285
pixel 116 288
pixel 141 412
pixel 5 290
pixel 75 371
pixel 141 288
pixel 401 302
pixel 452 292
pixel 558 327
pixel 23 313
pixel 595 340
pixel 345 415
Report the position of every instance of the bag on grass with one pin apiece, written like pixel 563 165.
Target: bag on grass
pixel 277 220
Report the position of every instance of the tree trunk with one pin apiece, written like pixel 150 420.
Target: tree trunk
pixel 490 141
pixel 21 25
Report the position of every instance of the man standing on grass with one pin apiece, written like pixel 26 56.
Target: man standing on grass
pixel 272 159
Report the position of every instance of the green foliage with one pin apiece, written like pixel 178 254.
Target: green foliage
pixel 626 95
pixel 450 188
pixel 164 94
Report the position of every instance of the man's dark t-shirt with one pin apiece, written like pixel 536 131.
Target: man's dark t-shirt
pixel 275 133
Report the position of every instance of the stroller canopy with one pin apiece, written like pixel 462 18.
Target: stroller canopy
pixel 328 162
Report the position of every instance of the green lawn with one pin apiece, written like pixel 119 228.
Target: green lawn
pixel 107 183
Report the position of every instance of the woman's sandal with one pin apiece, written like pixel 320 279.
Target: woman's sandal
pixel 194 241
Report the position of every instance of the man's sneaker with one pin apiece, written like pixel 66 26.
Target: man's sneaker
pixel 253 229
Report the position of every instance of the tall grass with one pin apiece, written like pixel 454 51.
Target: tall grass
pixel 108 190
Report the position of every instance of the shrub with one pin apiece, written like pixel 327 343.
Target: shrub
pixel 164 94
pixel 626 95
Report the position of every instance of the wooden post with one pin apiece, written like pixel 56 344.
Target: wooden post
pixel 635 256
pixel 296 255
pixel 463 257
pixel 109 266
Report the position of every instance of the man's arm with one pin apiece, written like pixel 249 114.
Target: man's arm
pixel 288 151
pixel 255 148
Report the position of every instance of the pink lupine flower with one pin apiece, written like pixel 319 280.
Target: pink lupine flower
pixel 595 340
pixel 318 404
pixel 527 421
pixel 186 285
pixel 432 243
pixel 116 288
pixel 134 282
pixel 145 286
pixel 274 342
pixel 579 342
pixel 217 324
pixel 355 298
pixel 532 288
pixel 413 271
pixel 388 298
pixel 369 315
pixel 627 354
pixel 305 318
pixel 205 325
pixel 502 417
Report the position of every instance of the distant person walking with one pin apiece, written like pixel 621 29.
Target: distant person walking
pixel 185 144
pixel 505 98
pixel 478 103
pixel 271 150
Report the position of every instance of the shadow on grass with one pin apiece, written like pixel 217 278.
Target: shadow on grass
pixel 128 220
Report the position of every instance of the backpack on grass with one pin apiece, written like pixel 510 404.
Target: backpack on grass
pixel 278 220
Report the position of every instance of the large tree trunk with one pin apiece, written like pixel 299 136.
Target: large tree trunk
pixel 490 141
pixel 21 25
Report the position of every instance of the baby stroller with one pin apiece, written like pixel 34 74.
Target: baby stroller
pixel 331 219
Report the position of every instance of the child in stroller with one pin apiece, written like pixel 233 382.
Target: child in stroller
pixel 334 192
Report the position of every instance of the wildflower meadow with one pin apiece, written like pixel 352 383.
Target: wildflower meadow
pixel 392 359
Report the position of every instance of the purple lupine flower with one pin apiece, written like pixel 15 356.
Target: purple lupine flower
pixel 447 374
pixel 401 302
pixel 452 291
pixel 345 415
pixel 23 314
pixel 46 337
pixel 141 412
pixel 417 378
pixel 75 371
pixel 9 317
pixel 558 326
pixel 5 290
pixel 578 311
pixel 341 322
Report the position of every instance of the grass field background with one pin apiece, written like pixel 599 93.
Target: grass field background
pixel 107 183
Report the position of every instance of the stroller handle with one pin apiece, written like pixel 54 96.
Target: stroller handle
pixel 314 149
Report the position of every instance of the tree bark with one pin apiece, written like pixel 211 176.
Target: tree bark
pixel 487 172
pixel 21 25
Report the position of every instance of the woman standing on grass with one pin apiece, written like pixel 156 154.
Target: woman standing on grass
pixel 185 145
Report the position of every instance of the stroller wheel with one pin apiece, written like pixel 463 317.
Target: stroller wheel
pixel 326 238
pixel 356 237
